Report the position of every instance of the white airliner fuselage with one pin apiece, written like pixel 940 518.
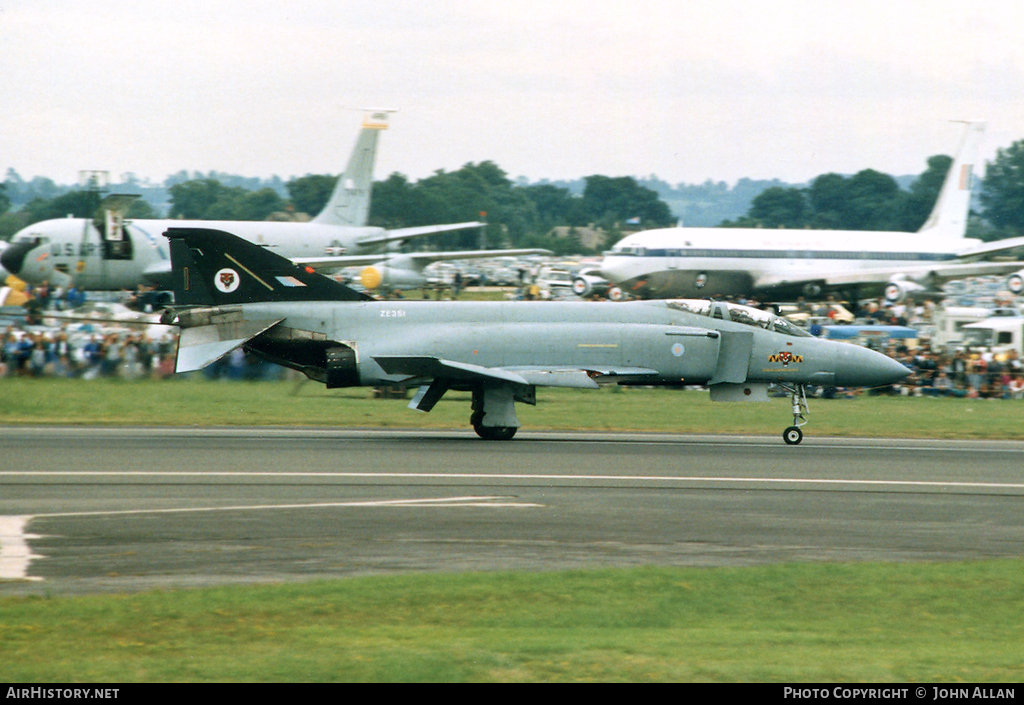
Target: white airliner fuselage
pixel 700 262
pixel 112 253
pixel 717 262
pixel 74 247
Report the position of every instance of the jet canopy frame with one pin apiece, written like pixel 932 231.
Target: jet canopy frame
pixel 737 313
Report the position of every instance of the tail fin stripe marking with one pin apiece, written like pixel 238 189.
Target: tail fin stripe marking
pixel 248 271
pixel 965 176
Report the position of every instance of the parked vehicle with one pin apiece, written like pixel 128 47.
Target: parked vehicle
pixel 999 333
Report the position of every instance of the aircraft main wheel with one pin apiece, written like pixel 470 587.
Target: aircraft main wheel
pixel 792 435
pixel 495 433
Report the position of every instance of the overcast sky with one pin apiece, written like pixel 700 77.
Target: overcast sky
pixel 687 90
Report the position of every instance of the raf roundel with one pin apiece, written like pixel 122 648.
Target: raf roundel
pixel 677 349
pixel 226 280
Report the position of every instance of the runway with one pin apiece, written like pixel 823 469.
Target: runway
pixel 100 509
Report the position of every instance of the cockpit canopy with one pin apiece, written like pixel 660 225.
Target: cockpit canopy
pixel 738 314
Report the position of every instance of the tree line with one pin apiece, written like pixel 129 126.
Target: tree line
pixel 518 216
pixel 871 200
pixel 526 215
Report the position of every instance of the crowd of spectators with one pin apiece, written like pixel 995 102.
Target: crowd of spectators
pixel 112 354
pixel 55 353
pixel 936 371
pixel 961 373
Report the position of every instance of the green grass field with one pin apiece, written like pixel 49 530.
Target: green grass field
pixel 196 401
pixel 952 622
pixel 944 623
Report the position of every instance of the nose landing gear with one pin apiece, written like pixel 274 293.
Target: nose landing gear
pixel 793 435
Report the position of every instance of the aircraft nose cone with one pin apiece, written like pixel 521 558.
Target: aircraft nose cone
pixel 860 367
pixel 13 258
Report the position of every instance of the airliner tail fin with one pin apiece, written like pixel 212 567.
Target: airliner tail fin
pixel 350 201
pixel 949 216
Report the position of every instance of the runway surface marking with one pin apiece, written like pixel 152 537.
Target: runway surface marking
pixel 15 554
pixel 521 476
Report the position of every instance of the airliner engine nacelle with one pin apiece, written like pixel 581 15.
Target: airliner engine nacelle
pixel 1015 283
pixel 812 289
pixel 897 291
pixel 381 276
pixel 585 285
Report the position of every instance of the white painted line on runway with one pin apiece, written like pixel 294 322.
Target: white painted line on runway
pixel 433 502
pixel 15 554
pixel 521 476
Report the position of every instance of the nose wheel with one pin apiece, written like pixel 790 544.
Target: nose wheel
pixel 793 435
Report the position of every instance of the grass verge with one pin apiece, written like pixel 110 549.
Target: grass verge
pixel 953 622
pixel 197 401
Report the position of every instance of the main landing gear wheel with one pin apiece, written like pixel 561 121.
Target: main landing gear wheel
pixel 495 433
pixel 792 435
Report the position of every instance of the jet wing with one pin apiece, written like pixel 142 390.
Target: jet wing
pixel 582 378
pixel 427 367
pixel 406 233
pixel 330 263
pixel 994 248
pixel 419 259
pixel 424 258
pixel 932 274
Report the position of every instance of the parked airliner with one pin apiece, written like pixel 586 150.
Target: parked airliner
pixel 784 264
pixel 112 253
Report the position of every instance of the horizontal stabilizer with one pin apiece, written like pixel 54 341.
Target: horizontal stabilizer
pixel 202 345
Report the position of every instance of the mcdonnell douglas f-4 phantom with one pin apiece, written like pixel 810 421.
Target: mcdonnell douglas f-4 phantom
pixel 230 293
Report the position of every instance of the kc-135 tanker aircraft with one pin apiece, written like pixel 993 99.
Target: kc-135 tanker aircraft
pixel 111 253
pixel 230 292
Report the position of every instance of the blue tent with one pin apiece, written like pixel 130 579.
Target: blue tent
pixel 868 332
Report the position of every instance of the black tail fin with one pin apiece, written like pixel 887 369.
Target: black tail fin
pixel 213 268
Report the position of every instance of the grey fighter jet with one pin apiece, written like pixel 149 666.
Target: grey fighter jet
pixel 230 292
